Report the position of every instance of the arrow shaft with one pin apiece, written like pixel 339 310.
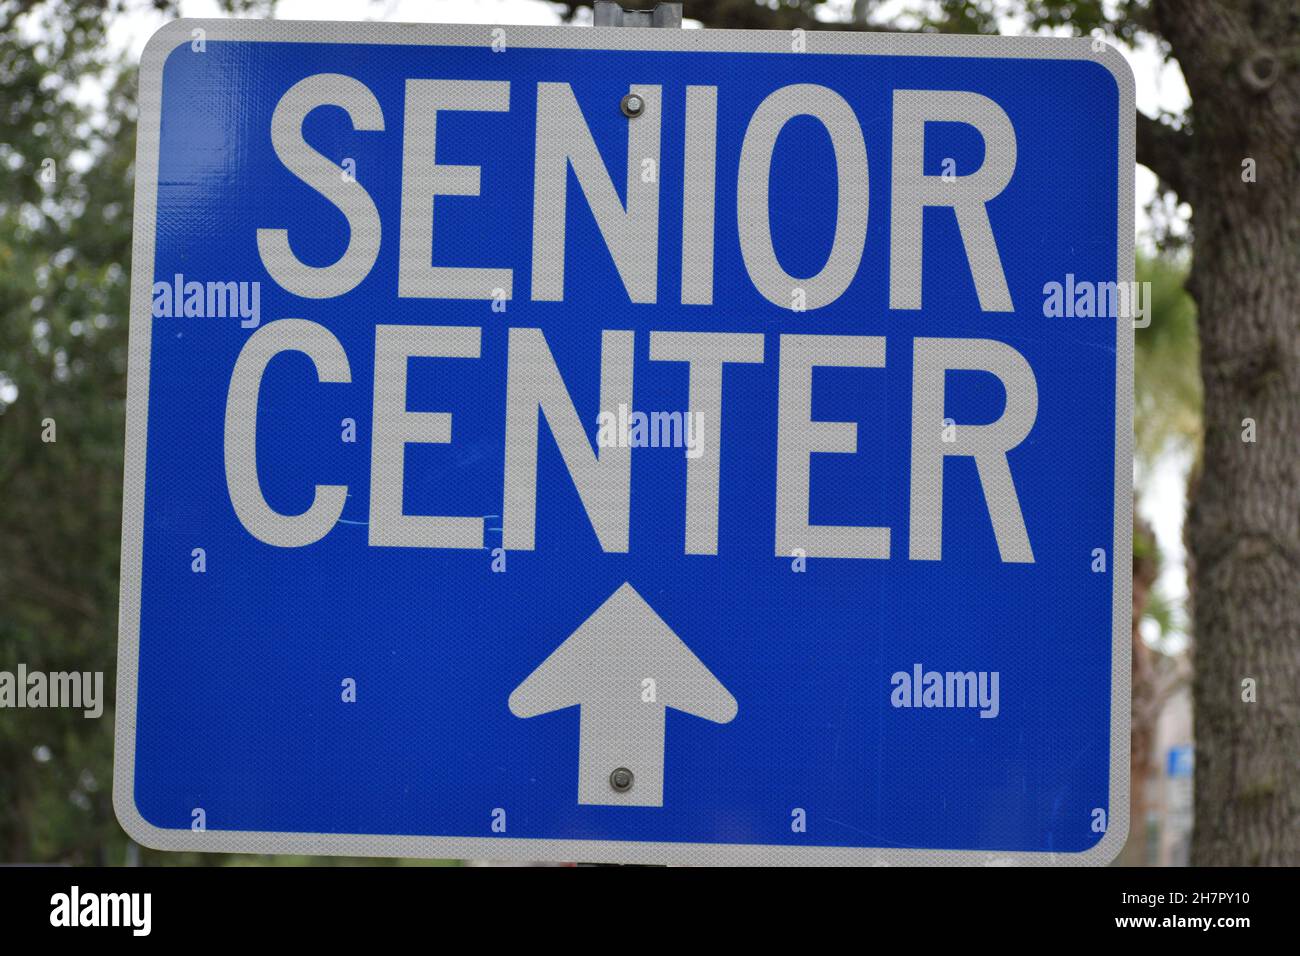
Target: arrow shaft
pixel 629 734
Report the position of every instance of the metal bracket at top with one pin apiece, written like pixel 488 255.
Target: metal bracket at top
pixel 608 13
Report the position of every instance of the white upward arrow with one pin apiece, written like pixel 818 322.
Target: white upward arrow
pixel 606 667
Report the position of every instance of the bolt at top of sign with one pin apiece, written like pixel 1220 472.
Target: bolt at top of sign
pixel 632 105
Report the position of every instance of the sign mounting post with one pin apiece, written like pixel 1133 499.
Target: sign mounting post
pixel 608 13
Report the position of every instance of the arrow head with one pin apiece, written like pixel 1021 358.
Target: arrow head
pixel 610 657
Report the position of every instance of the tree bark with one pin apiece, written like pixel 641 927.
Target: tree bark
pixel 1146 701
pixel 1240 62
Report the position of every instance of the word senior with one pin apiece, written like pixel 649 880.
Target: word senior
pixel 631 229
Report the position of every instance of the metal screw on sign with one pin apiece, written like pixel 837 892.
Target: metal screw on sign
pixel 621 780
pixel 632 105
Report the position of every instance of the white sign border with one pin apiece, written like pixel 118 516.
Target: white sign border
pixel 180 32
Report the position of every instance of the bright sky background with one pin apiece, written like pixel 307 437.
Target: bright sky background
pixel 1160 87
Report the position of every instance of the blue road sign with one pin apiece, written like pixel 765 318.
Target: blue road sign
pixel 629 445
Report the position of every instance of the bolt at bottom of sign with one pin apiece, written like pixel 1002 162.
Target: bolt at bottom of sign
pixel 621 780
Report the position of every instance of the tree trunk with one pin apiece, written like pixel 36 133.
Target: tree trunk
pixel 1147 701
pixel 1244 521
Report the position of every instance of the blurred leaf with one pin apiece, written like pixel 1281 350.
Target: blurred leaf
pixel 1167 382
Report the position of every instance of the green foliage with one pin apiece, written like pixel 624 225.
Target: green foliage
pixel 1167 382
pixel 64 248
pixel 1123 19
